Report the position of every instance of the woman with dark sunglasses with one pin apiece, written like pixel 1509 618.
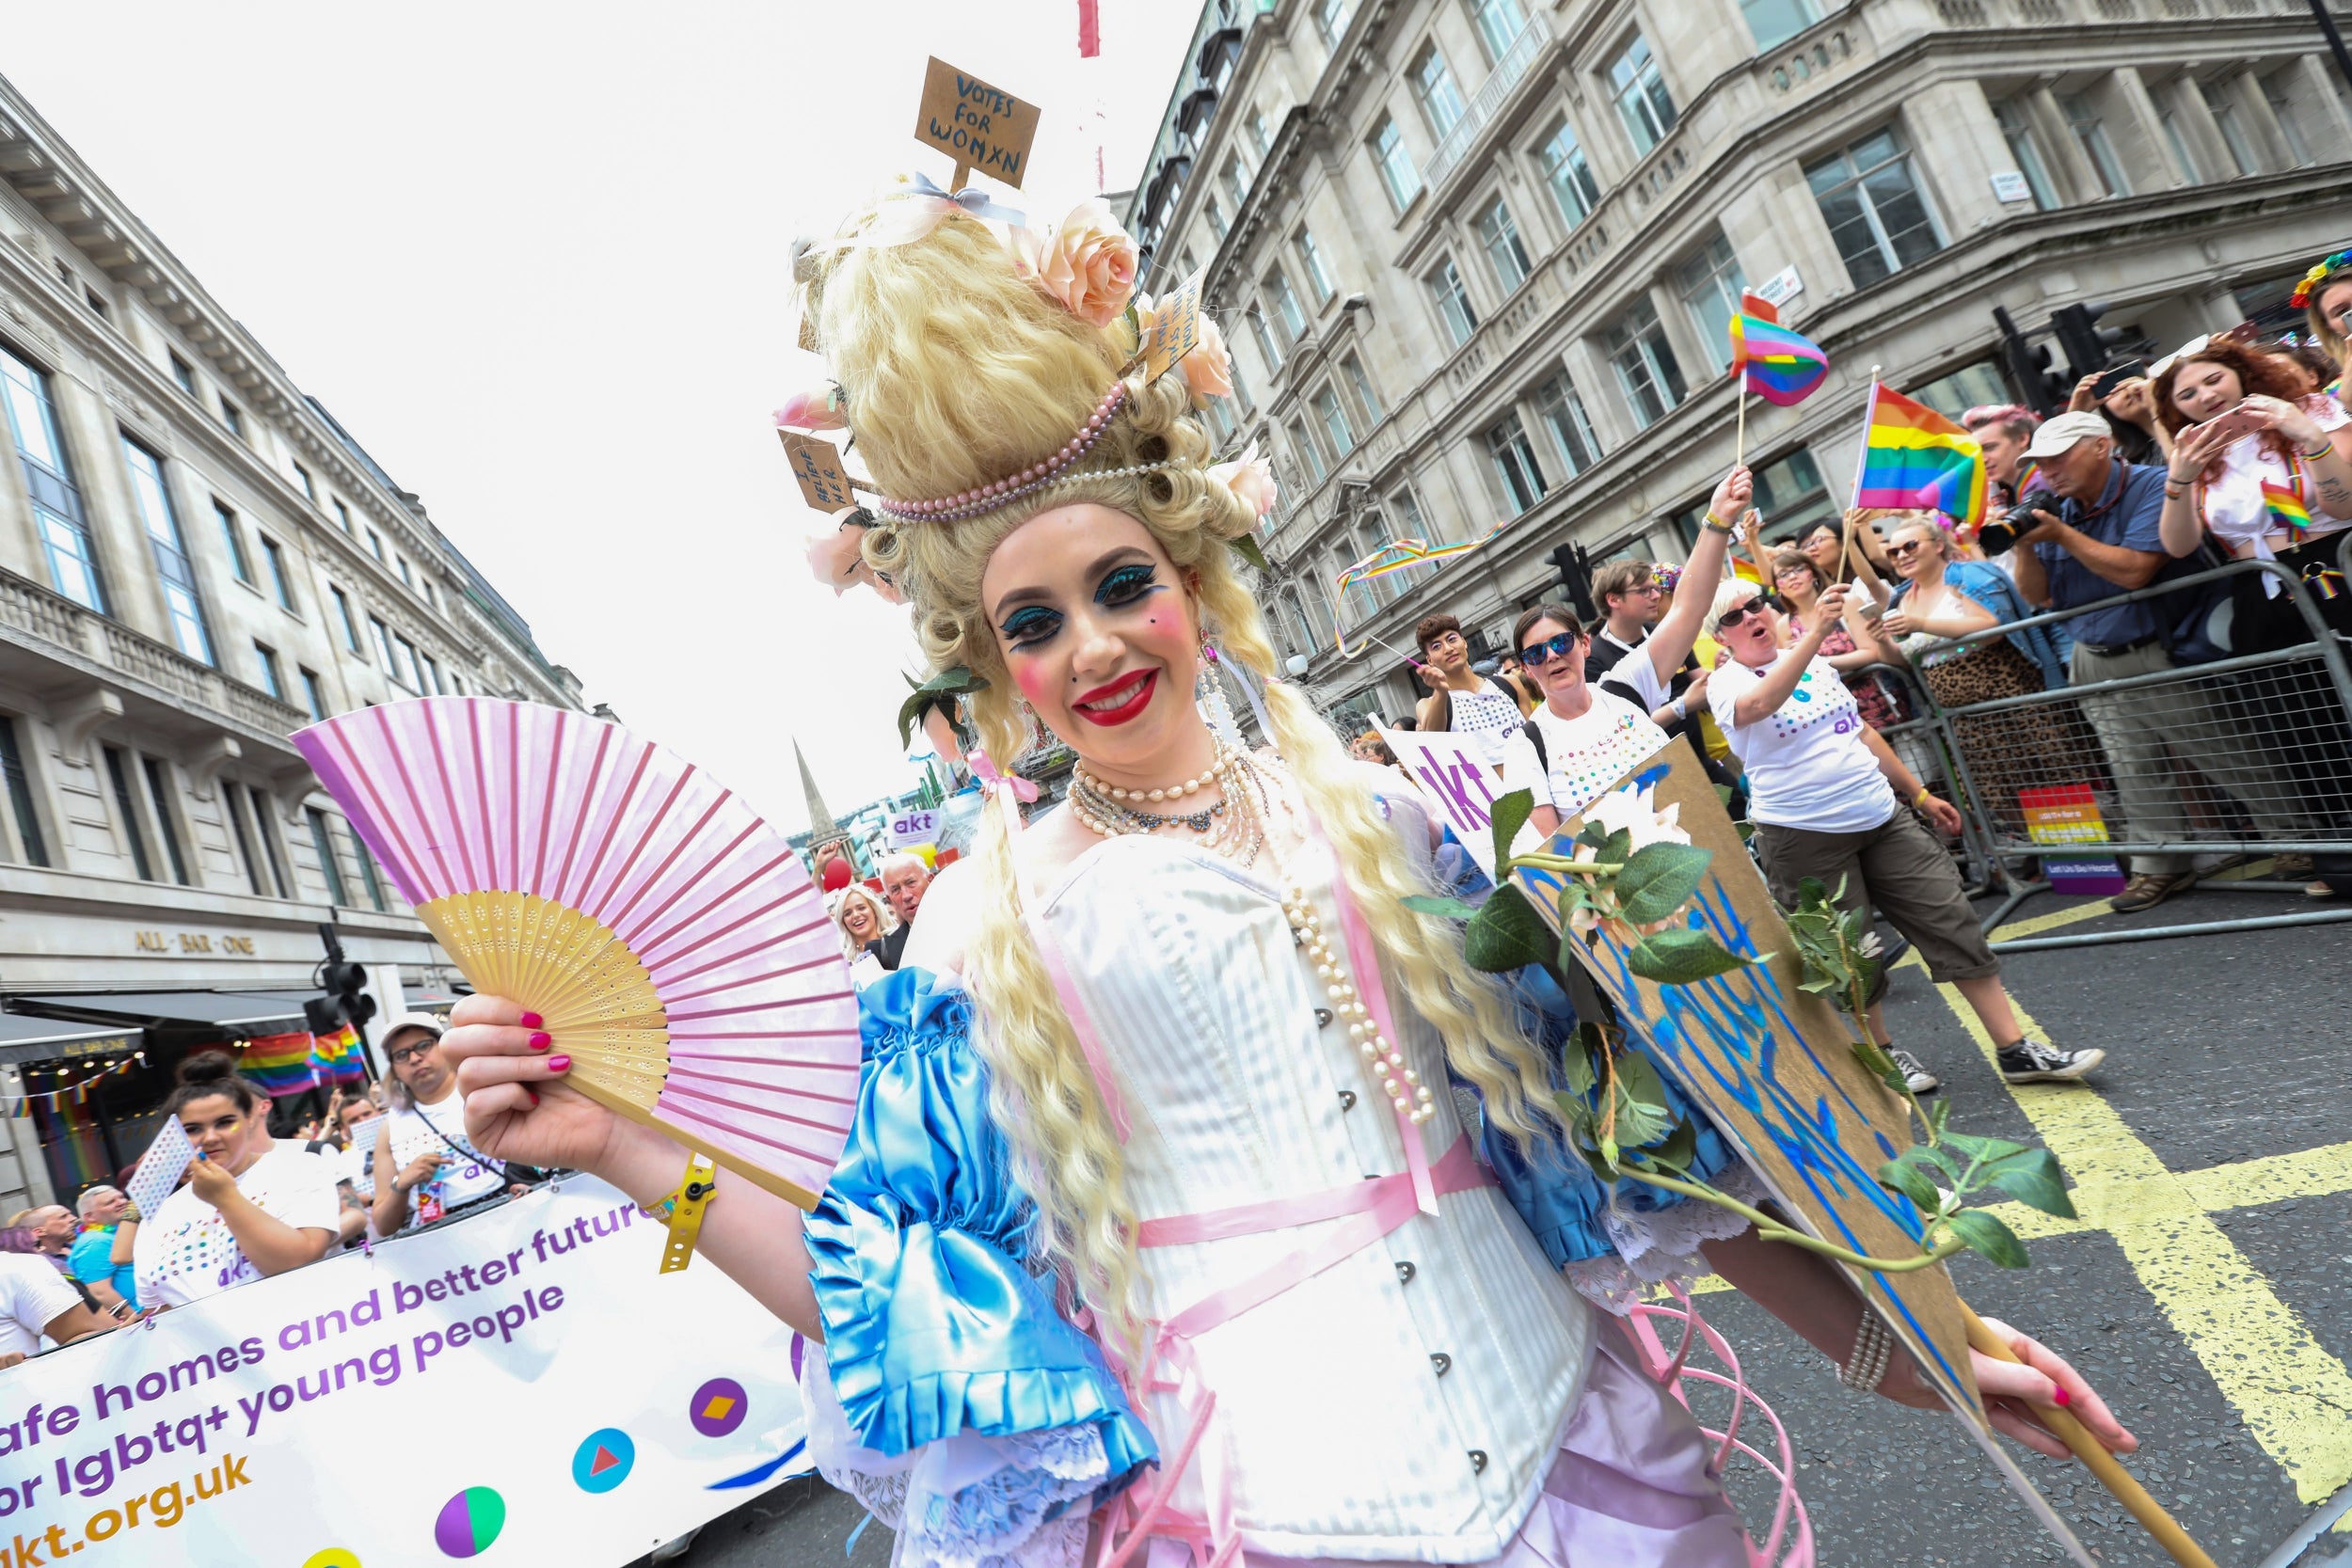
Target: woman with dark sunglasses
pixel 1582 740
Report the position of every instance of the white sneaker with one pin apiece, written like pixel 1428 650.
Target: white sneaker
pixel 1915 1076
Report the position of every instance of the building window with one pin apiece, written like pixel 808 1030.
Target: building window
pixel 1777 20
pixel 232 805
pixel 1712 281
pixel 367 873
pixel 309 485
pixel 2018 132
pixel 342 516
pixel 21 795
pixel 159 798
pixel 1334 417
pixel 1568 174
pixel 351 624
pixel 1559 406
pixel 1311 258
pixel 120 779
pixel 1331 17
pixel 322 845
pixel 1514 460
pixel 2169 117
pixel 234 538
pixel 2280 96
pixel 1396 164
pixel 1309 456
pixel 1454 306
pixel 49 479
pixel 1873 207
pixel 262 830
pixel 1647 370
pixel 171 553
pixel 1500 238
pixel 1640 89
pixel 233 417
pixel 1241 387
pixel 2223 106
pixel 1236 182
pixel 1217 226
pixel 1259 137
pixel 313 695
pixel 96 301
pixel 406 653
pixel 375 544
pixel 1284 300
pixel 280 581
pixel 1433 88
pixel 432 674
pixel 405 575
pixel 183 372
pixel 2090 133
pixel 1266 345
pixel 272 682
pixel 1500 23
pixel 1363 383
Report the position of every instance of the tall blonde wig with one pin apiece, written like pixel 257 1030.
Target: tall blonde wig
pixel 957 373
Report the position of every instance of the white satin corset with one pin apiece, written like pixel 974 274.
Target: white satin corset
pixel 1405 1403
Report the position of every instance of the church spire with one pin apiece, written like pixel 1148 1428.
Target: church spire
pixel 821 819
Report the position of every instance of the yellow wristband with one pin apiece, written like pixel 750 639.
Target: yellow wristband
pixel 1711 521
pixel 1920 798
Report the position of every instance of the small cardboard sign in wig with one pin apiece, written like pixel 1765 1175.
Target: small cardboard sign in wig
pixel 1773 1066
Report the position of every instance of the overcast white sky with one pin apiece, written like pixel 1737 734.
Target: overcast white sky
pixel 534 258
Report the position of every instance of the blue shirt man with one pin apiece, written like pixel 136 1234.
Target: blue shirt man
pixel 90 1259
pixel 2105 542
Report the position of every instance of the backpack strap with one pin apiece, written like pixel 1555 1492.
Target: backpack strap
pixel 1536 738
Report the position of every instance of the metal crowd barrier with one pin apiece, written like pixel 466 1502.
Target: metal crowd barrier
pixel 2249 755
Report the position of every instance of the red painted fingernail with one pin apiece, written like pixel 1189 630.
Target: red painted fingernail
pixel 532 1020
pixel 560 1064
pixel 541 1040
pixel 2065 1397
pixel 534 1095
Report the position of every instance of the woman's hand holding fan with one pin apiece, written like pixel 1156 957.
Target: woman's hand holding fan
pixel 518 1109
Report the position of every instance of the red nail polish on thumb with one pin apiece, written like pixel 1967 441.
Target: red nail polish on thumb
pixel 2062 1398
pixel 535 1100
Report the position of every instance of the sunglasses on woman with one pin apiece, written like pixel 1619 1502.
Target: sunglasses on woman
pixel 1907 548
pixel 1739 613
pixel 1537 655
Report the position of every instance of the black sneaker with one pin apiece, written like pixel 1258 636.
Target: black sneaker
pixel 2032 1061
pixel 1915 1076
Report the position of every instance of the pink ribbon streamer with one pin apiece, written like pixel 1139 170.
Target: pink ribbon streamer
pixel 1007 790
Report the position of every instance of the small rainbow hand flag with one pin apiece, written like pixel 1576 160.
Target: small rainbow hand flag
pixel 1780 366
pixel 2286 508
pixel 1914 458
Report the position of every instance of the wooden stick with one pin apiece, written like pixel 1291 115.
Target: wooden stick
pixel 964 176
pixel 1740 447
pixel 2117 1479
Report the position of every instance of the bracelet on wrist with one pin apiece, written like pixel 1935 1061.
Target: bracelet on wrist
pixel 1921 798
pixel 1716 525
pixel 2323 450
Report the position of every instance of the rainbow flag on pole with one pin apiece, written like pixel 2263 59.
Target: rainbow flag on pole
pixel 1914 458
pixel 279 1065
pixel 1780 366
pixel 2284 502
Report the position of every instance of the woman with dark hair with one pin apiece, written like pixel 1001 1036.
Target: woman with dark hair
pixel 251 1206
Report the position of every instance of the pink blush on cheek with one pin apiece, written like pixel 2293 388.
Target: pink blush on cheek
pixel 1031 680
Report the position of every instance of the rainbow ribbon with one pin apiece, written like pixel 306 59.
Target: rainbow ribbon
pixel 2284 502
pixel 1395 556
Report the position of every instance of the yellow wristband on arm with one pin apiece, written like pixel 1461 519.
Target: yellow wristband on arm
pixel 1921 798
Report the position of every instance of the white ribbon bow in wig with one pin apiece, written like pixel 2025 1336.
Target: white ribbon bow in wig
pixel 918 206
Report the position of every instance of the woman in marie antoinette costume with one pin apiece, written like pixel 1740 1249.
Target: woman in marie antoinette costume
pixel 1160 1237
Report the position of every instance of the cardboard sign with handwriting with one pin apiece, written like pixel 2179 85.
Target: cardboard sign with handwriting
pixel 1774 1068
pixel 824 483
pixel 980 126
pixel 1175 326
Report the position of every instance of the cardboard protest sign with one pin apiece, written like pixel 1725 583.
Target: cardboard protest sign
pixel 1454 778
pixel 1175 328
pixel 824 483
pixel 1773 1066
pixel 980 126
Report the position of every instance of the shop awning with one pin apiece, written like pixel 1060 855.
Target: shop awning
pixel 48 1040
pixel 225 1012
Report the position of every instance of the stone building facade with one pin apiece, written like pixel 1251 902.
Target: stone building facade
pixel 1475 258
pixel 195 559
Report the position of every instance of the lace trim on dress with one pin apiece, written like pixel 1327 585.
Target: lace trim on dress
pixel 1663 1246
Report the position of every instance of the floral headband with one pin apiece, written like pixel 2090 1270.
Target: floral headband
pixel 2317 276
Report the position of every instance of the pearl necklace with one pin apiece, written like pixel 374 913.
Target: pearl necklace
pixel 1190 787
pixel 1233 826
pixel 1383 1061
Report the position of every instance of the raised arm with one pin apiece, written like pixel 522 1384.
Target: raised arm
pixel 1764 698
pixel 1677 631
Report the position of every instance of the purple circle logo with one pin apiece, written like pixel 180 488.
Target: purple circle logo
pixel 717 1407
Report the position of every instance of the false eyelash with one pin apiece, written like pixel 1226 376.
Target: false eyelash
pixel 1125 584
pixel 1033 625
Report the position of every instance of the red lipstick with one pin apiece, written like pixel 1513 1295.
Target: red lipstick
pixel 1135 693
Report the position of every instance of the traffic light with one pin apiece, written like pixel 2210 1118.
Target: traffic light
pixel 2029 367
pixel 2087 345
pixel 345 984
pixel 1576 580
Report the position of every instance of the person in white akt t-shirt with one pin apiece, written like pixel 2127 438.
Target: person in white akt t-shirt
pixel 37 1303
pixel 421 1147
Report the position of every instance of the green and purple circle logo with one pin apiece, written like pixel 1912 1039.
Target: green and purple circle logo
pixel 469 1522
pixel 717 1407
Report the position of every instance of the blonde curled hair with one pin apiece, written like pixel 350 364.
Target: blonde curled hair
pixel 956 372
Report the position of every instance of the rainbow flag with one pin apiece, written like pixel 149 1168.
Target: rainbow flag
pixel 335 1058
pixel 1914 458
pixel 2284 504
pixel 280 1064
pixel 1780 366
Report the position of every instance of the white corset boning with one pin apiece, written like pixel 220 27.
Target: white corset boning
pixel 1341 1436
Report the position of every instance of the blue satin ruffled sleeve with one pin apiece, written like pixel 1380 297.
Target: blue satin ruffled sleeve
pixel 933 1326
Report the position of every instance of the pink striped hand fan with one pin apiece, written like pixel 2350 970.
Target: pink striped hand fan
pixel 672 940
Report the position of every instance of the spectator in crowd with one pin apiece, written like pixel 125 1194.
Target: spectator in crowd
pixel 53 1227
pixel 1462 701
pixel 2101 540
pixel 91 1257
pixel 2328 307
pixel 422 1140
pixel 905 878
pixel 1631 599
pixel 2130 410
pixel 37 1303
pixel 1584 739
pixel 1798 581
pixel 2003 430
pixel 251 1207
pixel 864 923
pixel 1369 747
pixel 1831 801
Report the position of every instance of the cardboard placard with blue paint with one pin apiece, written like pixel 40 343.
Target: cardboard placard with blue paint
pixel 1773 1066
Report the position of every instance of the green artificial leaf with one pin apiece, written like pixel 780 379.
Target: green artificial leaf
pixel 1576 1062
pixel 1659 878
pixel 1450 908
pixel 1938 1114
pixel 1989 1236
pixel 1928 1154
pixel 1593 833
pixel 1746 830
pixel 1506 934
pixel 1247 549
pixel 1812 892
pixel 2034 1178
pixel 940 692
pixel 1987 1150
pixel 1682 958
pixel 1680 1148
pixel 1617 846
pixel 1724 793
pixel 1818 983
pixel 1508 816
pixel 1642 1116
pixel 1913 1183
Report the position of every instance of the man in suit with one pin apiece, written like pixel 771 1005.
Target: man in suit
pixel 904 878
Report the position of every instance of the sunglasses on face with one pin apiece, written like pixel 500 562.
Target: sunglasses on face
pixel 1908 548
pixel 1537 655
pixel 1739 613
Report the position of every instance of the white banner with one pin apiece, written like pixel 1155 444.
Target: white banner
pixel 1457 784
pixel 525 1378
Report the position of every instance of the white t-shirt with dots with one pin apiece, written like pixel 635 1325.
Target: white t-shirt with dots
pixel 185 1252
pixel 1806 764
pixel 1583 755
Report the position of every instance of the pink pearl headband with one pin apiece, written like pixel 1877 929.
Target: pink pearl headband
pixel 1002 492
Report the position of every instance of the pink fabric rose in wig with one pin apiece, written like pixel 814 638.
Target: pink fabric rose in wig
pixel 1088 265
pixel 1209 368
pixel 1250 476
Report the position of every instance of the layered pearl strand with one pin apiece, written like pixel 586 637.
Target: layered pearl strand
pixel 1001 492
pixel 1233 825
pixel 1410 1096
pixel 1173 792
